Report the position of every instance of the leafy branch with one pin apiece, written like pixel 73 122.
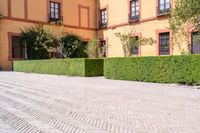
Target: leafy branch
pixel 129 41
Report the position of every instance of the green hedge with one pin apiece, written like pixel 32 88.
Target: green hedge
pixel 74 67
pixel 164 69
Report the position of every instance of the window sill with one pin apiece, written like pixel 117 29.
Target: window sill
pixel 103 27
pixel 164 55
pixel 17 59
pixel 134 20
pixel 56 21
pixel 164 13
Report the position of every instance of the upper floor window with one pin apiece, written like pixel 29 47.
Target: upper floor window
pixel 55 11
pixel 164 43
pixel 163 7
pixel 134 9
pixel 195 43
pixel 103 19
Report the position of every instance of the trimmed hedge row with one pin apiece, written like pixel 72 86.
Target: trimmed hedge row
pixel 73 67
pixel 164 69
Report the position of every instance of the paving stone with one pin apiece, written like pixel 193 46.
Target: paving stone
pixel 34 103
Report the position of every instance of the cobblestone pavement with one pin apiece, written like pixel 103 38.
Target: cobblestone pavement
pixel 33 103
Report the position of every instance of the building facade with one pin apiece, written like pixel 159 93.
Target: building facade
pixel 78 16
pixel 90 18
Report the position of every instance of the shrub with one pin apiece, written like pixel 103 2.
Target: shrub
pixel 73 46
pixel 80 52
pixel 129 42
pixel 37 40
pixel 74 67
pixel 165 69
pixel 92 48
pixel 41 41
pixel 94 67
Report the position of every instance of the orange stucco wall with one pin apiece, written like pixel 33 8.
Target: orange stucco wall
pixel 79 16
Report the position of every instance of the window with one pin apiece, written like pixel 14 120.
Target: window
pixel 164 43
pixel 195 43
pixel 103 18
pixel 134 9
pixel 18 49
pixel 85 43
pixel 103 48
pixel 55 54
pixel 135 48
pixel 163 7
pixel 55 11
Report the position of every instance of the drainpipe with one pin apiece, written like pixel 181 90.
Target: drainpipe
pixel 1 16
pixel 26 57
pixel 97 17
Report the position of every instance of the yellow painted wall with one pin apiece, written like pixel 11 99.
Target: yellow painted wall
pixel 148 25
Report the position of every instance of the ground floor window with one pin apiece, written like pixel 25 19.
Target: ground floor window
pixel 195 43
pixel 18 49
pixel 164 43
pixel 135 48
pixel 103 48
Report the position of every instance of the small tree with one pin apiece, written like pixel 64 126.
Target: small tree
pixel 70 43
pixel 185 12
pixel 129 42
pixel 41 41
pixel 102 51
pixel 92 48
pixel 184 17
pixel 37 40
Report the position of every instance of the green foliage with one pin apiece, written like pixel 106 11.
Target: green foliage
pixel 74 67
pixel 129 42
pixel 185 12
pixel 80 52
pixel 184 17
pixel 60 22
pixel 94 67
pixel 92 48
pixel 145 41
pixel 41 41
pixel 102 51
pixel 165 69
pixel 37 40
pixel 72 46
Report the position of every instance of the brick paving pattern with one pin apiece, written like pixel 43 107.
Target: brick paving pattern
pixel 33 103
